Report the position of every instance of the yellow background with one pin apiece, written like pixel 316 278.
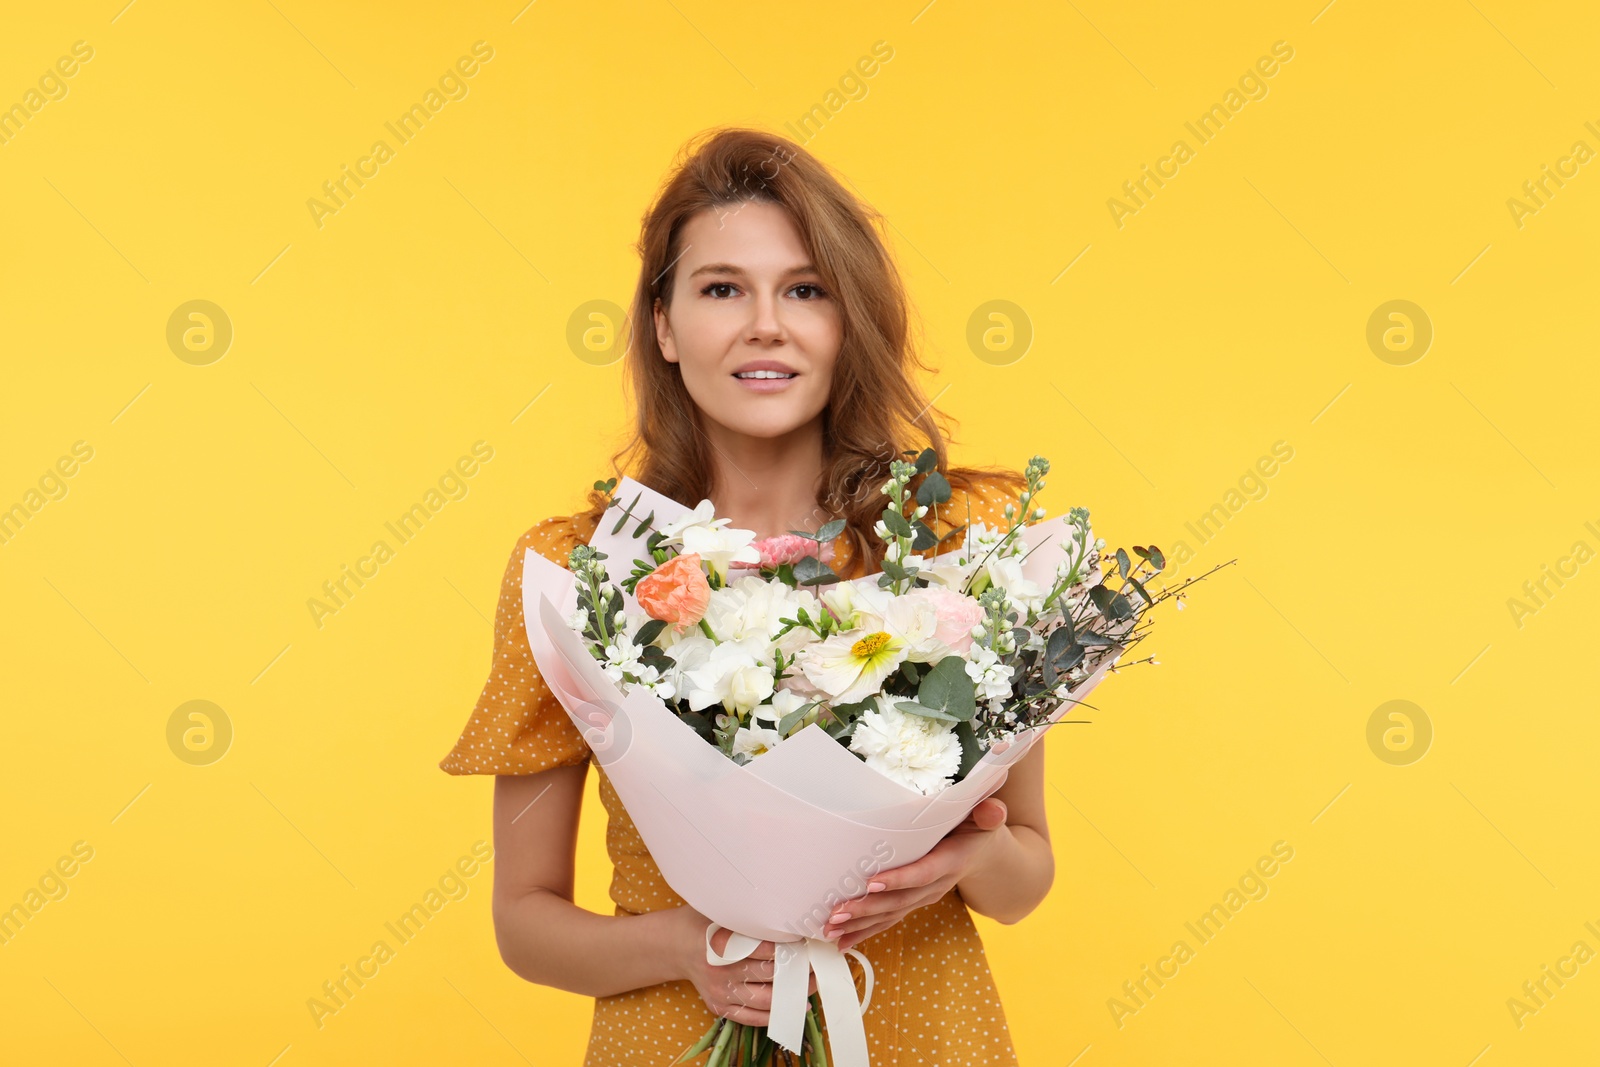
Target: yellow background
pixel 1230 312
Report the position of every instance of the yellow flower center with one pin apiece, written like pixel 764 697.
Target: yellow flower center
pixel 869 645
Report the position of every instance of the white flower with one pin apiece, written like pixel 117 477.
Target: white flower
pixel 980 539
pixel 699 532
pixel 948 575
pixel 920 753
pixel 751 742
pixel 840 599
pixel 912 619
pixel 701 515
pixel 783 702
pixel 988 673
pixel 720 548
pixel 729 675
pixel 752 610
pixel 578 619
pixel 1005 572
pixel 851 666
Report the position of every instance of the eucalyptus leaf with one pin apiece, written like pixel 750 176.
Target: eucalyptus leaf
pixel 896 523
pixel 948 688
pixel 971 751
pixel 809 570
pixel 934 490
pixel 911 707
pixel 626 514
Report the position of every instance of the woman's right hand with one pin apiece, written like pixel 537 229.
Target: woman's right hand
pixel 739 991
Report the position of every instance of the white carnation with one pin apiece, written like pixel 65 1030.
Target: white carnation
pixel 918 752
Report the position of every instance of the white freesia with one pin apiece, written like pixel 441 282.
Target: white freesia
pixel 752 741
pixel 720 548
pixel 1005 572
pixel 840 599
pixel 699 531
pixel 703 514
pixel 783 702
pixel 918 752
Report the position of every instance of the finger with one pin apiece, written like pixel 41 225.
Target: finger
pixel 990 814
pixel 747 1016
pixel 837 934
pixel 757 996
pixel 757 971
pixel 872 906
pixel 918 872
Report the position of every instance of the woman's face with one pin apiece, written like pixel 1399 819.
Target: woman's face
pixel 746 297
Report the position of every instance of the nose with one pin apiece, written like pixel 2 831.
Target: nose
pixel 766 323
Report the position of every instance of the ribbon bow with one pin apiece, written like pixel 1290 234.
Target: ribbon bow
pixel 793 962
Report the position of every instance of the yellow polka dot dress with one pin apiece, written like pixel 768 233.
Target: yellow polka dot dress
pixel 934 1003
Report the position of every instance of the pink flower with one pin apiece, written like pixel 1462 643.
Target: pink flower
pixel 957 614
pixel 785 548
pixel 676 592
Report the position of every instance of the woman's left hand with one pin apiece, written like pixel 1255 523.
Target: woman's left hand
pixel 920 882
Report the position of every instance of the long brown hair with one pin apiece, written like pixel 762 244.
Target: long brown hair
pixel 876 411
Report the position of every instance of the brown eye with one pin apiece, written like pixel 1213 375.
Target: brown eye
pixel 715 285
pixel 816 289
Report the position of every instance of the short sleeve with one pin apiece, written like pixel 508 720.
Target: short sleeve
pixel 518 725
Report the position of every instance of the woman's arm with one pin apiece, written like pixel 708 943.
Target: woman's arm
pixel 1000 858
pixel 545 938
pixel 1013 875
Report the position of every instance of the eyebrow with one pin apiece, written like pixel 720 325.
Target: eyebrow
pixel 729 268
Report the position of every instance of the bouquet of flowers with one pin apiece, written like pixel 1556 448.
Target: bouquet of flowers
pixel 729 675
pixel 918 671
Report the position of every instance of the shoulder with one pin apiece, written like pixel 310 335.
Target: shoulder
pixel 554 537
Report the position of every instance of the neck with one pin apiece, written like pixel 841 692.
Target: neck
pixel 767 484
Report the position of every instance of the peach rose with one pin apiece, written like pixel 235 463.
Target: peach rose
pixel 676 592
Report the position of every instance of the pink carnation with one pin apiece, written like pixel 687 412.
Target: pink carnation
pixel 957 613
pixel 785 548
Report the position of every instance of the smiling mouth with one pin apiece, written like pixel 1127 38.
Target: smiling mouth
pixel 763 375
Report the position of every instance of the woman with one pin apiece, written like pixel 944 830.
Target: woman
pixel 754 259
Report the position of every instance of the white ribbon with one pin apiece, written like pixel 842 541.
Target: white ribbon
pixel 793 962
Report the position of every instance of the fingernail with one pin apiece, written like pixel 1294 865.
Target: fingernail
pixel 841 917
pixel 875 887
